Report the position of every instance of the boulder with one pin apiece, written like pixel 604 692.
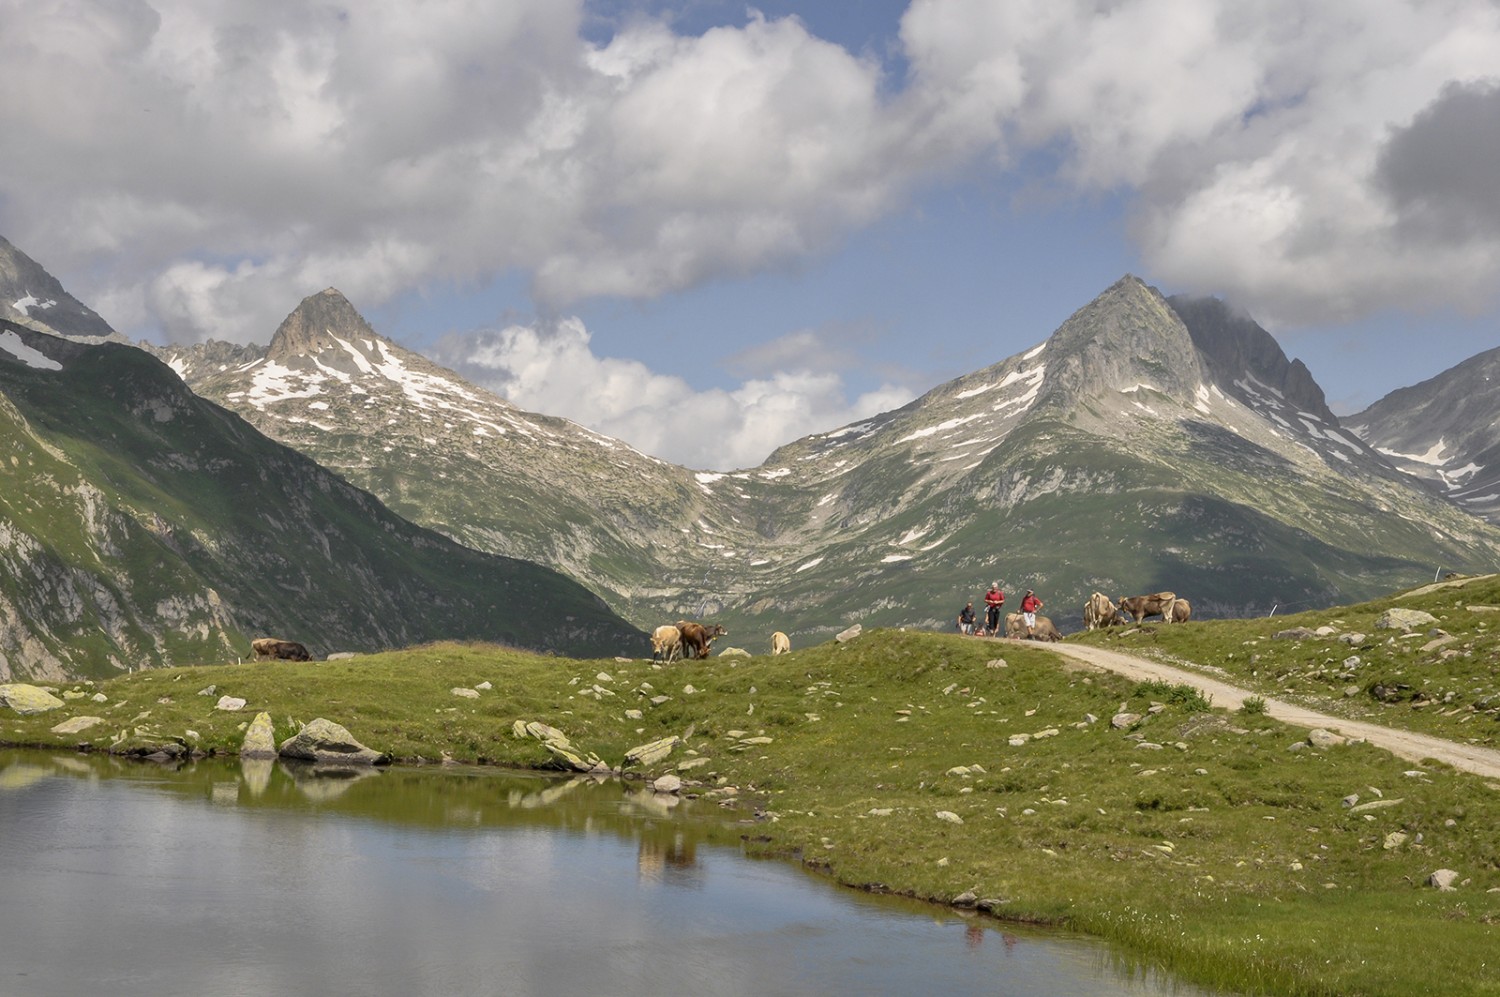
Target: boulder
pixel 734 652
pixel 949 816
pixel 260 738
pixel 230 704
pixel 1443 879
pixel 1404 619
pixel 1295 633
pixel 845 636
pixel 28 700
pixel 326 742
pixel 76 725
pixel 652 752
pixel 1122 720
pixel 1321 738
pixel 667 784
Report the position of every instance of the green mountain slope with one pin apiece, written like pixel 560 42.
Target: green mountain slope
pixel 141 525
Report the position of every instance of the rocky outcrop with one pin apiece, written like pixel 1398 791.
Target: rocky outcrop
pixel 325 742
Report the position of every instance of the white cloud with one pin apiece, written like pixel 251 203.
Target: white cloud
pixel 199 165
pixel 555 370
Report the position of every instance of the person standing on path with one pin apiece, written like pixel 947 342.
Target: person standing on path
pixel 966 619
pixel 993 600
pixel 1029 605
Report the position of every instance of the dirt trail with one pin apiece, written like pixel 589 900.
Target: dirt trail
pixel 1403 744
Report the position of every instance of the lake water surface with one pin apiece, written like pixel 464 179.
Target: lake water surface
pixel 217 878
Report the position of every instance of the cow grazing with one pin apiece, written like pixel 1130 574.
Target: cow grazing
pixel 1099 611
pixel 281 650
pixel 780 643
pixel 1141 606
pixel 1015 626
pixel 666 644
pixel 1182 611
pixel 698 637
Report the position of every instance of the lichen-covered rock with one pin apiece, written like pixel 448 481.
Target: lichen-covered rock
pixel 845 636
pixel 230 704
pixel 260 738
pixel 652 752
pixel 1443 880
pixel 326 742
pixel 28 700
pixel 76 725
pixel 1404 619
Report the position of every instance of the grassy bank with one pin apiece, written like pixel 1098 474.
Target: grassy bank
pixel 1441 678
pixel 1196 838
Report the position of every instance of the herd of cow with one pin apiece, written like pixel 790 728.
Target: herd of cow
pixel 1102 611
pixel 673 641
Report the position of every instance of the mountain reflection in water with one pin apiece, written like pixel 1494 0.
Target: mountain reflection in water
pixel 218 877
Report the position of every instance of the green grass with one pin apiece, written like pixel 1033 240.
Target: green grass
pixel 1195 839
pixel 1416 681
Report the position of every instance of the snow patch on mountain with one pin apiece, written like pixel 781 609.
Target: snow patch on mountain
pixel 30 301
pixel 11 343
pixel 1435 455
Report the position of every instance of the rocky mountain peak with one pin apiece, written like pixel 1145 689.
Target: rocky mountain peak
pixel 31 297
pixel 1126 339
pixel 1233 346
pixel 323 321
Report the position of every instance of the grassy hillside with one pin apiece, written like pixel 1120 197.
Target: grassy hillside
pixel 1193 837
pixel 144 526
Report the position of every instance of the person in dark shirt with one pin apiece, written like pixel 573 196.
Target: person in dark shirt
pixel 966 619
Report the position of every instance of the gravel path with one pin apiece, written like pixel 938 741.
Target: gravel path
pixel 1403 744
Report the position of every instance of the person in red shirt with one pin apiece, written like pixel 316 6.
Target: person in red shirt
pixel 1029 605
pixel 993 600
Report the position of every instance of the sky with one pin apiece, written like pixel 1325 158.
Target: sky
pixel 709 228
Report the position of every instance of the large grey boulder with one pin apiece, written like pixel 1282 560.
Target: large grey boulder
pixel 326 742
pixel 28 699
pixel 1404 619
pixel 845 636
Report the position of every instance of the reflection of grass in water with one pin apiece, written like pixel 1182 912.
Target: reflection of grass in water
pixel 1196 837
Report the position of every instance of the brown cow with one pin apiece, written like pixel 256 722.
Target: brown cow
pixel 1182 611
pixel 1015 626
pixel 698 637
pixel 282 650
pixel 1141 606
pixel 1099 611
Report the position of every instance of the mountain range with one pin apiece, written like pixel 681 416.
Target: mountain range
pixel 1148 443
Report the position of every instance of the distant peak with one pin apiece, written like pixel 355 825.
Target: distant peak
pixel 313 325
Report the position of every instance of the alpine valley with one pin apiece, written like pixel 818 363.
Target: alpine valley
pixel 1149 443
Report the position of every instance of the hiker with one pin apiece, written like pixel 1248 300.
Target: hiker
pixel 1029 605
pixel 993 600
pixel 966 620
